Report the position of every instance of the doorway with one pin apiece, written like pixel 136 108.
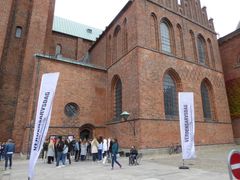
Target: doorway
pixel 86 132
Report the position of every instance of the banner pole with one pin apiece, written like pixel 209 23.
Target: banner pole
pixel 183 166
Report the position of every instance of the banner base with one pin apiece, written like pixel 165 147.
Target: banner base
pixel 183 167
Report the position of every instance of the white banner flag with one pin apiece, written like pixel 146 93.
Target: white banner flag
pixel 187 124
pixel 43 116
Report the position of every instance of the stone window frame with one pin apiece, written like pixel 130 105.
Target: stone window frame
pixel 176 82
pixel 202 51
pixel 58 50
pixel 71 110
pixel 207 97
pixel 165 34
pixel 116 98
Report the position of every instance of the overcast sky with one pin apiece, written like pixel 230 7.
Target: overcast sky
pixel 99 13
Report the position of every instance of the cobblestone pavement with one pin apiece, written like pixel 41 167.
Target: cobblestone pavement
pixel 210 164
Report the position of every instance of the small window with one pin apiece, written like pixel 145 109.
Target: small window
pixel 71 110
pixel 58 50
pixel 18 32
pixel 89 31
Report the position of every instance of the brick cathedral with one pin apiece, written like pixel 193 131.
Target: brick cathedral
pixel 152 50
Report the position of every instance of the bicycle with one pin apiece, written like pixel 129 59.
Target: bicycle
pixel 175 149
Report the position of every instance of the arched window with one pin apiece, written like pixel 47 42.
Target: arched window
pixel 58 50
pixel 180 34
pixel 154 43
pixel 206 103
pixel 193 45
pixel 165 37
pixel 170 97
pixel 125 36
pixel 211 53
pixel 118 99
pixel 18 33
pixel 116 43
pixel 201 50
pixel 109 50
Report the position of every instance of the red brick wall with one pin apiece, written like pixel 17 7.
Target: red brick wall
pixel 5 11
pixel 12 62
pixel 35 44
pixel 141 72
pixel 84 86
pixel 230 54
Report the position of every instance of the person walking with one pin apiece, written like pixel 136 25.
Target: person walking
pixel 100 148
pixel 83 150
pixel 94 149
pixel 50 152
pixel 105 149
pixel 44 150
pixel 9 150
pixel 115 148
pixel 59 147
pixel 1 151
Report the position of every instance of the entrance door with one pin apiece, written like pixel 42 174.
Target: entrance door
pixel 85 134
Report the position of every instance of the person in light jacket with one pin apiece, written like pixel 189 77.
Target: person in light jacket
pixel 50 152
pixel 83 149
pixel 94 149
pixel 9 150
pixel 105 149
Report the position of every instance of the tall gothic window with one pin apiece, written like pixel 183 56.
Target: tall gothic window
pixel 118 100
pixel 206 101
pixel 170 97
pixel 180 33
pixel 201 50
pixel 154 43
pixel 193 43
pixel 165 37
pixel 211 53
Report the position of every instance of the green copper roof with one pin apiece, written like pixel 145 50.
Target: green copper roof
pixel 75 29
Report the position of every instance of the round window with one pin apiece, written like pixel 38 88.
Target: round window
pixel 71 109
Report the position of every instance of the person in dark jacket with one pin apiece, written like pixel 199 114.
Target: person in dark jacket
pixel 9 150
pixel 114 149
pixel 60 148
pixel 133 156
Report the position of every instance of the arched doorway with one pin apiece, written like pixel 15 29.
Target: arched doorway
pixel 86 131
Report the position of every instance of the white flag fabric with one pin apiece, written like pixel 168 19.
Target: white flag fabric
pixel 43 116
pixel 187 124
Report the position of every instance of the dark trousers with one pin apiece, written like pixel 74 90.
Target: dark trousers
pixel 114 159
pixel 99 154
pixel 60 157
pixel 50 159
pixel 77 155
pixel 69 157
pixel 8 157
pixel 94 156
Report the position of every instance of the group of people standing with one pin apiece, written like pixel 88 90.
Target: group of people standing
pixel 6 152
pixel 62 148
